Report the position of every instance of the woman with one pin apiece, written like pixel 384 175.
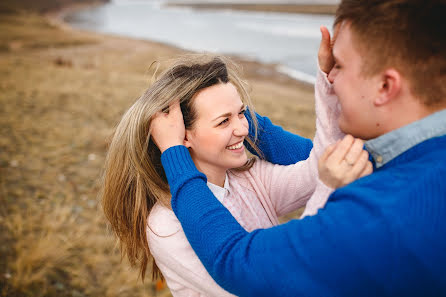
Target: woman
pixel 213 102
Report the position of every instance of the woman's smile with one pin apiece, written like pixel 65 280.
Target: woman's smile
pixel 238 147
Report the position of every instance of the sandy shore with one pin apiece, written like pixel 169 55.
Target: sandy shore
pixel 62 91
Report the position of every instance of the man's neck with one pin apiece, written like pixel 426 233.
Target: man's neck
pixel 404 114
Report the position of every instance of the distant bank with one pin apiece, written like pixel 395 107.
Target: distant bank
pixel 267 7
pixel 44 6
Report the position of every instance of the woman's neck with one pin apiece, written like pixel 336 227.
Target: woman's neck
pixel 219 181
pixel 216 176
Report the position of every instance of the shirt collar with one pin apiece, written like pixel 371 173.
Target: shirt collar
pixel 218 191
pixel 390 145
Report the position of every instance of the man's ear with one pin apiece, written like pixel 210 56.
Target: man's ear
pixel 187 138
pixel 389 88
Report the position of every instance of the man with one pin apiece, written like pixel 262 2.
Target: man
pixel 382 235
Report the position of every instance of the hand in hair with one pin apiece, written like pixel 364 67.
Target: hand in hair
pixel 167 127
pixel 325 53
pixel 344 162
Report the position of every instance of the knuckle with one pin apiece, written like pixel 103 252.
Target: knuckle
pixel 364 155
pixel 348 138
pixel 359 141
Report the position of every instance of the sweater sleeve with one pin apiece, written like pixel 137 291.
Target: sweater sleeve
pixel 290 187
pixel 321 255
pixel 271 140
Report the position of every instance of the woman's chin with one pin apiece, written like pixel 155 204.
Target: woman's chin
pixel 241 161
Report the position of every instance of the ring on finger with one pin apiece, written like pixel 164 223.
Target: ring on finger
pixel 349 163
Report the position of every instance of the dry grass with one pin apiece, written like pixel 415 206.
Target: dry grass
pixel 18 32
pixel 61 93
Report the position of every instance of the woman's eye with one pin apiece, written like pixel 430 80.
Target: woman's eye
pixel 223 122
pixel 337 66
pixel 242 112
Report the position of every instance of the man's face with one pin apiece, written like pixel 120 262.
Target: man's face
pixel 356 92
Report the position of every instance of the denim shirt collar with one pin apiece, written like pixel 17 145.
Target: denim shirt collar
pixel 390 145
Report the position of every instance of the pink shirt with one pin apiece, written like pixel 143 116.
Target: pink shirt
pixel 256 198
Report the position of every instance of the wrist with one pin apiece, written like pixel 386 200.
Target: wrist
pixel 168 146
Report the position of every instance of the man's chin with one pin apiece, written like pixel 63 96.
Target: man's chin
pixel 349 129
pixel 346 129
pixel 361 134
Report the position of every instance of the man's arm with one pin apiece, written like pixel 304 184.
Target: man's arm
pixel 277 145
pixel 333 253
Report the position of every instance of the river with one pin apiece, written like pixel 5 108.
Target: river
pixel 290 40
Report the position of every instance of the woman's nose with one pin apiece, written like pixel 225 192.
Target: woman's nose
pixel 241 127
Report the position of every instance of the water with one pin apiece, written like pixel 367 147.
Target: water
pixel 290 40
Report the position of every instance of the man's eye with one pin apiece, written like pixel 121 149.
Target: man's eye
pixel 337 66
pixel 223 122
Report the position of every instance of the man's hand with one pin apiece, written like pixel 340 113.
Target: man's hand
pixel 344 162
pixel 167 127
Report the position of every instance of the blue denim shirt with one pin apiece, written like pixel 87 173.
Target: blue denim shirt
pixel 390 145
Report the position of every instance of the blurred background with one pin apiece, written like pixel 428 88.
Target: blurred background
pixel 69 69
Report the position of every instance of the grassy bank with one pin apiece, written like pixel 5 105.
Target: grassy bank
pixel 44 6
pixel 62 91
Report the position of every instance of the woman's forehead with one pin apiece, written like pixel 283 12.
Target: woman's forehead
pixel 220 98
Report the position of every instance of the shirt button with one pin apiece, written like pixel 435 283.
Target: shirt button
pixel 379 159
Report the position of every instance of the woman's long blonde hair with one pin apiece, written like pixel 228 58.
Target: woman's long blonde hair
pixel 134 178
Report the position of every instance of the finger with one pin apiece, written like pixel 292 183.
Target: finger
pixel 328 151
pixel 367 170
pixel 154 121
pixel 359 165
pixel 341 149
pixel 155 118
pixel 324 54
pixel 325 44
pixel 174 107
pixel 355 151
pixel 322 162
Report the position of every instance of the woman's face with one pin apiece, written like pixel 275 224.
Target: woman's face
pixel 216 138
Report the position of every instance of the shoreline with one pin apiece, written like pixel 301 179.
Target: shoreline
pixel 280 8
pixel 57 15
pixel 255 68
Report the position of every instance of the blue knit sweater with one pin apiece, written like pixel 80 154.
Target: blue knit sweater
pixel 383 235
pixel 271 138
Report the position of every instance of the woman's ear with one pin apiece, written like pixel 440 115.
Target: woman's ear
pixel 390 87
pixel 187 143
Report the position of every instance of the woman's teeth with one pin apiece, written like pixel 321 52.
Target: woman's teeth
pixel 235 146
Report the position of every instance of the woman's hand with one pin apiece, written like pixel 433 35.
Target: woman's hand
pixel 325 53
pixel 167 127
pixel 344 162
